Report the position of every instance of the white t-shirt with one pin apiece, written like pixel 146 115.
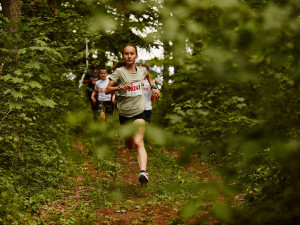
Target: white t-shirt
pixel 100 86
pixel 147 93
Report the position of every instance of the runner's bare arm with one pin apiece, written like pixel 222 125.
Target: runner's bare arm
pixel 155 92
pixel 113 99
pixel 110 89
pixel 93 97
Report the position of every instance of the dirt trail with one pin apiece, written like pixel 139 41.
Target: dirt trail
pixel 80 203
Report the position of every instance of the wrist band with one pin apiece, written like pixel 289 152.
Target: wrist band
pixel 119 86
pixel 153 87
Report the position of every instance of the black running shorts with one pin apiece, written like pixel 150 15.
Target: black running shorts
pixel 124 119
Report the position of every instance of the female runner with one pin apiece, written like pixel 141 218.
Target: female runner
pixel 126 84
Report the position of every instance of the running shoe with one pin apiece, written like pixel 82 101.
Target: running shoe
pixel 143 178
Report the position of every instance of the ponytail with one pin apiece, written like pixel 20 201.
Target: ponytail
pixel 117 65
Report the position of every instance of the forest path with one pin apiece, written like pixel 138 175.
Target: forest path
pixel 108 192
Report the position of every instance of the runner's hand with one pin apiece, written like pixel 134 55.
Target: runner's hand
pixel 156 93
pixel 125 86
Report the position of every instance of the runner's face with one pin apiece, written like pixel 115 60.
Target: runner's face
pixel 102 74
pixel 129 55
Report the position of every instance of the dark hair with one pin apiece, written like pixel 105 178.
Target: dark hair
pixel 93 65
pixel 117 65
pixel 145 65
pixel 131 46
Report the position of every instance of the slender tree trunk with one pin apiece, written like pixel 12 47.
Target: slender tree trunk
pixel 11 9
pixel 167 55
pixel 52 5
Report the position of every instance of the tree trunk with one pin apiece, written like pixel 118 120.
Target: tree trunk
pixel 11 9
pixel 52 5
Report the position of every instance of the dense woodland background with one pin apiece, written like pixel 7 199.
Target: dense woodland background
pixel 234 100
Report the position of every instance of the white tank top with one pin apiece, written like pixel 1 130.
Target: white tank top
pixel 147 93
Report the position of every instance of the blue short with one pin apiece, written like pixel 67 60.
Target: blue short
pixel 148 114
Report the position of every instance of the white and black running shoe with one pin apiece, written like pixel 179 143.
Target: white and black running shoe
pixel 143 178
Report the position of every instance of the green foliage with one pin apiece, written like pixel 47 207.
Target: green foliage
pixel 233 99
pixel 32 163
pixel 37 92
pixel 237 94
pixel 35 97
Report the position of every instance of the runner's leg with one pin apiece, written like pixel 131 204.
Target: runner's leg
pixel 138 140
pixel 129 143
pixel 102 116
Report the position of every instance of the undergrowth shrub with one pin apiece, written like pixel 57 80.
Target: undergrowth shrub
pixel 236 94
pixel 35 139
